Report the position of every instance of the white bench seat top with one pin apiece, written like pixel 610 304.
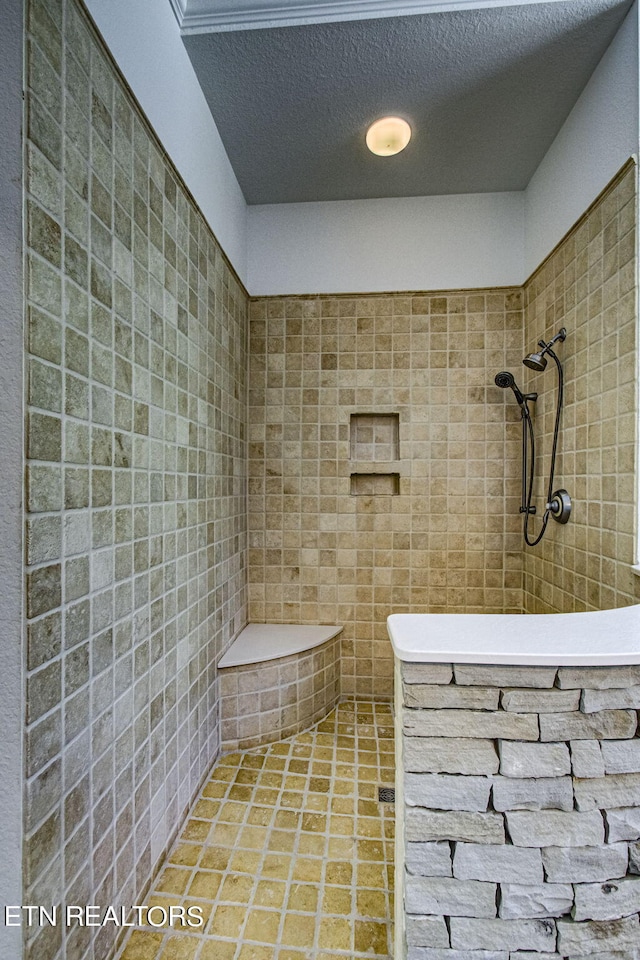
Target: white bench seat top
pixel 270 641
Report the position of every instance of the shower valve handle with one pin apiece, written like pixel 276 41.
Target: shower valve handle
pixel 560 506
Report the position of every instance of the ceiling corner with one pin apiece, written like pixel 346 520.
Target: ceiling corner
pixel 179 8
pixel 213 16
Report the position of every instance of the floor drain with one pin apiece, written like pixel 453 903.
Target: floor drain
pixel 386 795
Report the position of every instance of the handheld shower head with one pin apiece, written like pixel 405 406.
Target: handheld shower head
pixel 505 379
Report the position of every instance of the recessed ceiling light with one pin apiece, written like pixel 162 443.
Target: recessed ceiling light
pixel 388 135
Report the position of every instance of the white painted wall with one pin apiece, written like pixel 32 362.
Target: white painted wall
pixel 457 241
pixel 369 245
pixel 600 133
pixel 144 38
pixel 413 243
pixel 11 473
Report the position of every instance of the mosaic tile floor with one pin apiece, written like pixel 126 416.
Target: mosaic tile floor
pixel 287 851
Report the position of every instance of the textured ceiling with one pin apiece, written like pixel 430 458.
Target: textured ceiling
pixel 485 90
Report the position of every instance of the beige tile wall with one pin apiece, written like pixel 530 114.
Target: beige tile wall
pixel 450 540
pixel 588 285
pixel 136 525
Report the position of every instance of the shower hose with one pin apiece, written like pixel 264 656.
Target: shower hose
pixel 529 443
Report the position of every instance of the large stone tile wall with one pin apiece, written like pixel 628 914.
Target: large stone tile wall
pixel 136 529
pixel 322 552
pixel 588 285
pixel 520 790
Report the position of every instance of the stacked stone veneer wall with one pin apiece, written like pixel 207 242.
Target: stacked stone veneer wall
pixel 521 808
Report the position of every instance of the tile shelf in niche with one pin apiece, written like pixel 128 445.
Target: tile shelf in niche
pixel 377 467
pixel 373 484
pixel 379 478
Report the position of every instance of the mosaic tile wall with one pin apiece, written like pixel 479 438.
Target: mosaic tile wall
pixel 449 541
pixel 588 285
pixel 136 525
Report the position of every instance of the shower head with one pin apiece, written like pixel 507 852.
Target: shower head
pixel 535 361
pixel 538 361
pixel 505 379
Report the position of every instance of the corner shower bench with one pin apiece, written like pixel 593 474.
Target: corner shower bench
pixel 276 680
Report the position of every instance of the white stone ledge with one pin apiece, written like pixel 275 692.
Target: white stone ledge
pixel 259 642
pixel 592 638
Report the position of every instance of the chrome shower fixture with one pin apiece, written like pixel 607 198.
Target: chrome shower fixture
pixel 538 361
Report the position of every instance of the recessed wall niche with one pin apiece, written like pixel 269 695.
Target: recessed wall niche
pixel 374 439
pixel 375 436
pixel 375 484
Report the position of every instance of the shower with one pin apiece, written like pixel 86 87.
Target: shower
pixel 558 504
